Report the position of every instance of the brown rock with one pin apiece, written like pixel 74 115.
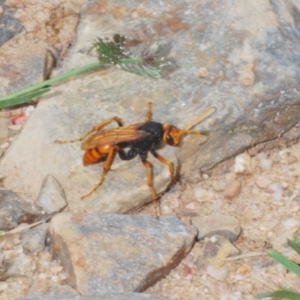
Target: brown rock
pixel 217 224
pixel 233 189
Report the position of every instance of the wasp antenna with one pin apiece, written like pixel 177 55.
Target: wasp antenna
pixel 210 110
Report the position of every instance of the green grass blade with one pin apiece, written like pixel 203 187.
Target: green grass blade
pixel 295 244
pixel 22 99
pixel 51 81
pixel 284 294
pixel 285 261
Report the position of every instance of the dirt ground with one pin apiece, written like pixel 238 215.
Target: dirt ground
pixel 267 208
pixel 265 195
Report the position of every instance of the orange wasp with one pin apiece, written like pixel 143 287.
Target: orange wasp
pixel 131 141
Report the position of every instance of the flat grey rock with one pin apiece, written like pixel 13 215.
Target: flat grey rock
pixel 51 198
pixel 14 211
pixel 238 57
pixel 103 253
pixel 21 68
pixel 9 25
pixel 34 239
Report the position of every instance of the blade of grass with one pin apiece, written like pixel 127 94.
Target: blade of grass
pixel 23 99
pixel 285 261
pixel 51 81
pixel 294 244
pixel 279 294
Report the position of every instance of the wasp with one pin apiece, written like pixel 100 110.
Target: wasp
pixel 101 145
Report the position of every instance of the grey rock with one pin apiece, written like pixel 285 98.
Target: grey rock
pixel 107 296
pixel 20 265
pixel 48 287
pixel 217 224
pixel 19 68
pixel 15 210
pixel 251 78
pixel 103 253
pixel 9 25
pixel 51 198
pixel 33 240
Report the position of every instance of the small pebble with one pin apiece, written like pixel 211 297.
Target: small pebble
pixel 19 119
pixel 186 271
pixel 244 269
pixel 265 164
pixel 291 159
pixel 233 189
pixel 219 185
pixel 276 190
pixel 202 72
pixel 205 176
pixel 242 164
pixel 193 205
pixel 166 210
pixel 262 181
pixel 247 77
pixel 56 270
pixel 28 110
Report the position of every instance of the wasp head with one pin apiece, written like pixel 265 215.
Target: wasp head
pixel 172 135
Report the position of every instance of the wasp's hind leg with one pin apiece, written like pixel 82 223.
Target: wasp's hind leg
pixel 95 128
pixel 106 168
pixel 166 162
pixel 150 184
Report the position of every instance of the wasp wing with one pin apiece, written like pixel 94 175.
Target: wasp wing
pixel 114 135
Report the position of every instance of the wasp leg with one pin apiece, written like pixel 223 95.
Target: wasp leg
pixel 166 162
pixel 106 168
pixel 150 184
pixel 149 113
pixel 95 128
